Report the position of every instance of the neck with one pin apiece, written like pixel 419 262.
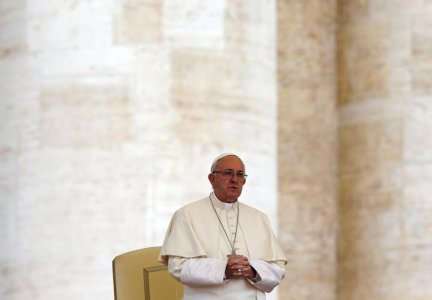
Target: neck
pixel 225 200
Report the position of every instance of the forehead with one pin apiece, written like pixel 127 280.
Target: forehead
pixel 230 162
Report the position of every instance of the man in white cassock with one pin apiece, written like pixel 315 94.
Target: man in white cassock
pixel 220 248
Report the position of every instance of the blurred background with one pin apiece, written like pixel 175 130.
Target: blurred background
pixel 111 112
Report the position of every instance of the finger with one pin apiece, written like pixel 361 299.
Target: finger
pixel 233 259
pixel 242 258
pixel 239 266
pixel 237 257
pixel 243 264
pixel 247 274
pixel 239 272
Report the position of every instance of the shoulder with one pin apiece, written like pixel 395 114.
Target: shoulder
pixel 192 207
pixel 251 209
pixel 192 213
pixel 253 212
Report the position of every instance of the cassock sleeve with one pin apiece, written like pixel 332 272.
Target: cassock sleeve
pixel 269 275
pixel 197 271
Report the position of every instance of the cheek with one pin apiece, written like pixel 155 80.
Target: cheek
pixel 218 185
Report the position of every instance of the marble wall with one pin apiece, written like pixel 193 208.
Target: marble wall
pixel 385 106
pixel 308 147
pixel 365 146
pixel 111 113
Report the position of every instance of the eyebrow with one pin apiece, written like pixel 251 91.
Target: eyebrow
pixel 237 171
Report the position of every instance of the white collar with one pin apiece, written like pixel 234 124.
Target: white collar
pixel 222 205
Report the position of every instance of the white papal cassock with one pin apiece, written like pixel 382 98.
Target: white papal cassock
pixel 196 248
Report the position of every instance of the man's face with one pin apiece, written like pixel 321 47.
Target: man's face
pixel 228 188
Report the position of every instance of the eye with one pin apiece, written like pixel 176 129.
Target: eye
pixel 227 173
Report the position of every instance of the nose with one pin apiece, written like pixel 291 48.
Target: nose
pixel 234 177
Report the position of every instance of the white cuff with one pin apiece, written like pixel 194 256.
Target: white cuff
pixel 203 271
pixel 269 275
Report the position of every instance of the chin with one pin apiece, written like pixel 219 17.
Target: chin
pixel 233 198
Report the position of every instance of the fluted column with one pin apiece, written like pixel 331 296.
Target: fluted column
pixel 385 157
pixel 307 152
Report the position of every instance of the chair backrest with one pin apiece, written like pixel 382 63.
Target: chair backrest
pixel 139 276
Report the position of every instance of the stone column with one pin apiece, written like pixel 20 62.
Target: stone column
pixel 307 152
pixel 110 115
pixel 385 108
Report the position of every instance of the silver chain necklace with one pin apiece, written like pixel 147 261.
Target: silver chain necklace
pixel 233 250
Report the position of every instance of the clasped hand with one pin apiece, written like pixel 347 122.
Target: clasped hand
pixel 238 266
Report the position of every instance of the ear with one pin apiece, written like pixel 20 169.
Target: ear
pixel 211 178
